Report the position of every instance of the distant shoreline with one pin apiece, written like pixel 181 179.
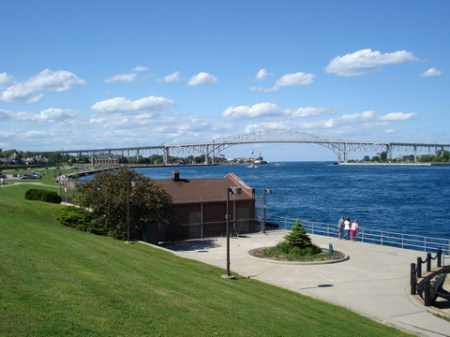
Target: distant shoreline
pixel 395 164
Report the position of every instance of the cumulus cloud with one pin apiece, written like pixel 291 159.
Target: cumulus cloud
pixel 268 109
pixel 358 116
pixel 5 79
pixel 202 78
pixel 307 112
pixel 172 77
pixel 294 80
pixel 263 74
pixel 432 72
pixel 398 116
pixel 46 115
pixel 365 61
pixel 30 91
pixel 359 122
pixel 123 105
pixel 121 78
pixel 256 110
pixel 56 114
pixel 288 80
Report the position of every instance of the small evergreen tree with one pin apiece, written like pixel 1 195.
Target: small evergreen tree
pixel 298 237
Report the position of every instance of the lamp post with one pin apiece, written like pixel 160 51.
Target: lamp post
pixel 263 223
pixel 133 184
pixel 230 190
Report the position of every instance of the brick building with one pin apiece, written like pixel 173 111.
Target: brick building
pixel 199 206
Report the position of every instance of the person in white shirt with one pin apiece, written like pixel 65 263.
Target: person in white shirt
pixel 346 228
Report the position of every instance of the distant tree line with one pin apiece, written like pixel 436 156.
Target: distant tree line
pixel 441 156
pixel 60 159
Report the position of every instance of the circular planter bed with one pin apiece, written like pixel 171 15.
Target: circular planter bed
pixel 322 258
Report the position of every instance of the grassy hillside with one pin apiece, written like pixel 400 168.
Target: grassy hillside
pixel 55 281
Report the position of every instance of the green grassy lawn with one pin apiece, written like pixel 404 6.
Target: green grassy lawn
pixel 56 281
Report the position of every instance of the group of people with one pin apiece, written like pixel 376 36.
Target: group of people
pixel 347 229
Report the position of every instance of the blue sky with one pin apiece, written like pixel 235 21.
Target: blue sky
pixel 93 74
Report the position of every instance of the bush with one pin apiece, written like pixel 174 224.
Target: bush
pixel 296 245
pixel 80 219
pixel 42 195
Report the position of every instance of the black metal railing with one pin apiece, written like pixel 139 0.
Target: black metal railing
pixel 423 285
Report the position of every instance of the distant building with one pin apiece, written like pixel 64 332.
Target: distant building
pixel 199 206
pixel 105 159
pixel 13 159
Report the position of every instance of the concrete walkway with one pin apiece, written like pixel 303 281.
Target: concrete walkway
pixel 373 282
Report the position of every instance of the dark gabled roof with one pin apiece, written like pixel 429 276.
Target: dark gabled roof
pixel 185 191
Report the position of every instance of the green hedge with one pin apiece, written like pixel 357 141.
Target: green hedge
pixel 80 219
pixel 42 195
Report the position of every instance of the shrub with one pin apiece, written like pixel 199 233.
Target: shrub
pixel 296 245
pixel 80 219
pixel 42 195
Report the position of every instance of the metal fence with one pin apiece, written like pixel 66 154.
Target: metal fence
pixel 400 240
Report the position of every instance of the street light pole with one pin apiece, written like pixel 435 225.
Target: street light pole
pixel 233 191
pixel 263 222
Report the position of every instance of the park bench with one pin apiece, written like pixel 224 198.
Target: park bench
pixel 437 290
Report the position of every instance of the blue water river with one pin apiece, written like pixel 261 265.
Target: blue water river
pixel 406 199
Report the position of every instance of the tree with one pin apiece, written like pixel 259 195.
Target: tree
pixel 298 237
pixel 125 197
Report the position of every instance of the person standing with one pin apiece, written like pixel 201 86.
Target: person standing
pixel 354 229
pixel 346 228
pixel 340 227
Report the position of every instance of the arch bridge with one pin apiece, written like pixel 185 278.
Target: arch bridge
pixel 341 148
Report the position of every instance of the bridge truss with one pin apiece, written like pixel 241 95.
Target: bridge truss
pixel 341 148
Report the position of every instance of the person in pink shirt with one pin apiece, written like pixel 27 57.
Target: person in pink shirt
pixel 354 229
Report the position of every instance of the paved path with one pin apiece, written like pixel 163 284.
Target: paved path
pixel 373 282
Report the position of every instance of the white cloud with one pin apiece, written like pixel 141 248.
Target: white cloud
pixel 398 116
pixel 295 80
pixel 319 124
pixel 365 61
pixel 307 112
pixel 5 79
pixel 202 78
pixel 268 109
pixel 56 114
pixel 121 78
pixel 288 80
pixel 432 72
pixel 389 131
pixel 172 77
pixel 46 115
pixel 256 110
pixel 31 90
pixel 267 125
pixel 358 116
pixel 139 69
pixel 263 74
pixel 4 115
pixel 123 105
